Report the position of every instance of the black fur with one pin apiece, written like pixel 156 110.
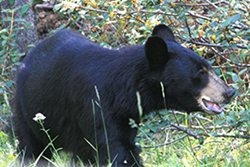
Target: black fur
pixel 58 77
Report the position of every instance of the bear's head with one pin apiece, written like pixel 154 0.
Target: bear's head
pixel 189 81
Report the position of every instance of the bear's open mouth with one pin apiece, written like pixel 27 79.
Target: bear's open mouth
pixel 210 106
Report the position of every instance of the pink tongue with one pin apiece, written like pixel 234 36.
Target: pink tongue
pixel 212 106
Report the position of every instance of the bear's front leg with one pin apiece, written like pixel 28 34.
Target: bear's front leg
pixel 119 154
pixel 117 146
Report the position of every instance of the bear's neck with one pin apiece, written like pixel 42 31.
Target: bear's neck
pixel 137 88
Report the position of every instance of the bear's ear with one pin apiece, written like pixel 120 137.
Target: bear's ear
pixel 156 51
pixel 164 32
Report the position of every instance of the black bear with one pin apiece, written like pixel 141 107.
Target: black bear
pixel 88 93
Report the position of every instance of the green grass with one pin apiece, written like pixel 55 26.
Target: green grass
pixel 213 151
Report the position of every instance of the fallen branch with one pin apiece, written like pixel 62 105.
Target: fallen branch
pixel 189 132
pixel 228 135
pixel 164 144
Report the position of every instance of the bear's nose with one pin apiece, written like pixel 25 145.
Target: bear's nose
pixel 229 94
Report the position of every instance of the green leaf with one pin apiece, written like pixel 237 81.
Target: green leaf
pixel 57 7
pixel 219 122
pixel 24 9
pixel 110 9
pixel 234 18
pixel 9 83
pixel 227 22
pixel 211 61
pixel 4 41
pixel 201 140
pixel 214 134
pixel 20 20
pixel 242 71
pixel 213 24
pixel 12 2
pixel 3 31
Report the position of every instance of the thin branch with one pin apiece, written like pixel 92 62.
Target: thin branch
pixel 189 31
pixel 191 133
pixel 198 16
pixel 94 10
pixel 212 4
pixel 228 60
pixel 191 148
pixel 164 144
pixel 198 116
pixel 237 65
pixel 216 45
pixel 207 128
pixel 219 135
pixel 209 4
pixel 44 6
pixel 191 5
pixel 243 84
pixel 176 119
pixel 234 66
pixel 200 123
pixel 5 122
pixel 145 11
pixel 228 135
pixel 242 26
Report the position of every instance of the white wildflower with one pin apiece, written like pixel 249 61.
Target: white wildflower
pixel 39 116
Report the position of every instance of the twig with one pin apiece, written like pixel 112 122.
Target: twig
pixel 242 26
pixel 176 119
pixel 191 5
pixel 228 60
pixel 207 128
pixel 5 122
pixel 228 135
pixel 164 144
pixel 209 4
pixel 212 4
pixel 200 123
pixel 216 45
pixel 94 10
pixel 191 133
pixel 79 26
pixel 227 3
pixel 198 16
pixel 44 6
pixel 145 11
pixel 198 116
pixel 234 66
pixel 230 46
pixel 243 84
pixel 189 31
pixel 191 148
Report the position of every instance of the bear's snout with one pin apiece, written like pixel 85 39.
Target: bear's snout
pixel 229 94
pixel 215 94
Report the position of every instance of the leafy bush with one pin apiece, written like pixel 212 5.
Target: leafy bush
pixel 9 62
